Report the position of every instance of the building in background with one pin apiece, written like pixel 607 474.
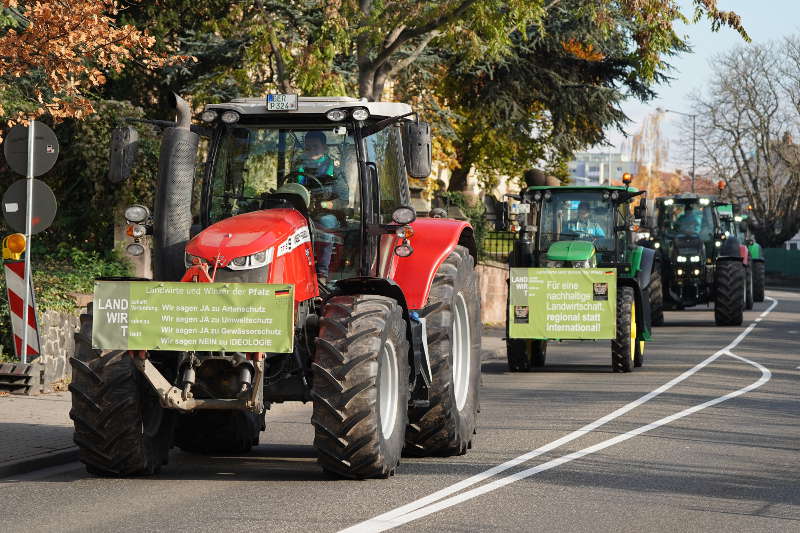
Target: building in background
pixel 599 169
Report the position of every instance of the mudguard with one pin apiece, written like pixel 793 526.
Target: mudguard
pixel 645 267
pixel 433 240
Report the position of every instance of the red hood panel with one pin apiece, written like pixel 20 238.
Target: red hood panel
pixel 245 234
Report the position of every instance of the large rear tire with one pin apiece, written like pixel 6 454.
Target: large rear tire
pixel 360 390
pixel 447 425
pixel 748 287
pixel 120 427
pixel 228 431
pixel 656 292
pixel 759 281
pixel 730 293
pixel 623 347
pixel 525 354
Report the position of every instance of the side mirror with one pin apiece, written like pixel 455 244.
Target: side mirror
pixel 417 149
pixel 124 146
pixel 645 211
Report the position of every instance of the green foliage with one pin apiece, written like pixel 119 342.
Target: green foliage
pixel 56 277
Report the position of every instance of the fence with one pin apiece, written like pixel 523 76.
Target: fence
pixel 497 245
pixel 783 262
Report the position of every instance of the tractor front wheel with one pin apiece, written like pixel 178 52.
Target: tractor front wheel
pixel 360 390
pixel 447 425
pixel 730 293
pixel 656 292
pixel 120 427
pixel 759 279
pixel 525 354
pixel 623 347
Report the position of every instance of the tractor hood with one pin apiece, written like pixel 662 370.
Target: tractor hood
pixel 570 251
pixel 246 234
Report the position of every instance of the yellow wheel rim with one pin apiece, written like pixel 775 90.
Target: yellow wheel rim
pixel 633 331
pixel 641 348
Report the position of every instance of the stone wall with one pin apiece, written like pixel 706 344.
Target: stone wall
pixel 57 339
pixel 494 292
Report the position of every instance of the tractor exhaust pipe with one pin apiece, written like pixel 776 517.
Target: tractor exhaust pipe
pixel 173 214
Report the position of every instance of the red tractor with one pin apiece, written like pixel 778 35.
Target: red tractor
pixel 311 192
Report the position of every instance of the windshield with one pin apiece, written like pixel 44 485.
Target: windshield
pixel 688 217
pixel 582 215
pixel 253 161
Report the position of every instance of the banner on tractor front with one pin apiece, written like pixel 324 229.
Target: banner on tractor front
pixel 562 303
pixel 229 317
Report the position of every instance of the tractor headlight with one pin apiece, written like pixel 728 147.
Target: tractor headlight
pixel 230 117
pixel 360 113
pixel 554 264
pixel 537 196
pixel 248 262
pixel 137 214
pixel 336 115
pixel 682 259
pixel 695 259
pixel 582 264
pixel 657 245
pixel 209 115
pixel 191 260
pixel 615 195
pixel 680 272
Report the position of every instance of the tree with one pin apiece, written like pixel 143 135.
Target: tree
pixel 746 122
pixel 53 53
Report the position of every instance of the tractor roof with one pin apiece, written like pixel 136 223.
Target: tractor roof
pixel 314 105
pixel 581 188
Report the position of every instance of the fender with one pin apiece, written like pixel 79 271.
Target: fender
pixel 646 264
pixel 642 306
pixel 744 254
pixel 433 240
pixel 416 333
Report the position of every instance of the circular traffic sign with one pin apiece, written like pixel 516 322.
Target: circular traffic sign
pixel 15 203
pixel 45 149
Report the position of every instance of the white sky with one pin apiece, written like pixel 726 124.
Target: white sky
pixel 764 20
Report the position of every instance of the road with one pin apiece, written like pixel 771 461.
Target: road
pixel 704 437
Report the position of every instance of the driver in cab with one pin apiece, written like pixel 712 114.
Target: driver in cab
pixel 583 225
pixel 316 172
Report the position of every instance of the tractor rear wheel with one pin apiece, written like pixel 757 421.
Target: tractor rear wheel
pixel 748 287
pixel 120 427
pixel 525 354
pixel 730 293
pixel 360 389
pixel 656 292
pixel 227 431
pixel 758 281
pixel 623 347
pixel 447 425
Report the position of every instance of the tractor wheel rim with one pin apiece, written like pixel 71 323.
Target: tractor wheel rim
pixel 461 351
pixel 388 393
pixel 633 331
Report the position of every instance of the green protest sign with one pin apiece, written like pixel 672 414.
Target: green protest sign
pixel 230 317
pixel 562 303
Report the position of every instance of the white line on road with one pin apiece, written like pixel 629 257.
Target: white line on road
pixel 426 505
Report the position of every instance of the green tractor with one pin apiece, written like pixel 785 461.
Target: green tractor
pixel 577 273
pixel 736 225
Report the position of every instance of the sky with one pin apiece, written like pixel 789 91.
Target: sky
pixel 764 20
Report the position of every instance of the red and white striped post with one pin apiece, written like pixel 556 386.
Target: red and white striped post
pixel 16 290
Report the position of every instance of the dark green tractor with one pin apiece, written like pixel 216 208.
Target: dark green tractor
pixel 577 273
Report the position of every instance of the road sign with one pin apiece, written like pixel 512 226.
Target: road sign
pixel 15 206
pixel 45 149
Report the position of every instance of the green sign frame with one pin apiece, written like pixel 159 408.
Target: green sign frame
pixel 175 316
pixel 562 303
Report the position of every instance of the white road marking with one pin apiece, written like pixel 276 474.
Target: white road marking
pixel 427 505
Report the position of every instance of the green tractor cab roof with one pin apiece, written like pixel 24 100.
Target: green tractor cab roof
pixel 581 188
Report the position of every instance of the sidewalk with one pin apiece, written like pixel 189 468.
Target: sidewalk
pixel 35 432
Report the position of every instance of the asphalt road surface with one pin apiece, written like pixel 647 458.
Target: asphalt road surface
pixel 704 437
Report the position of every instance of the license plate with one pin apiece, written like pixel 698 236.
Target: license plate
pixel 282 102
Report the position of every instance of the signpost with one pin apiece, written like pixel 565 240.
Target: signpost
pixel 31 151
pixel 562 303
pixel 175 316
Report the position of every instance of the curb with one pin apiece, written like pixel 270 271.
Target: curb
pixel 37 462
